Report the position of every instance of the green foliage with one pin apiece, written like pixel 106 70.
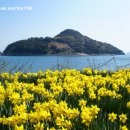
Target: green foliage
pixel 75 42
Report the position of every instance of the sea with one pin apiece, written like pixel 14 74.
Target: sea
pixel 58 62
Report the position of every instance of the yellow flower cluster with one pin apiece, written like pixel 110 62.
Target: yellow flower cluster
pixel 88 114
pixel 65 100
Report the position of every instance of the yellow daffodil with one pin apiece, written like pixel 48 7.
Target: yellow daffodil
pixel 123 118
pixel 112 116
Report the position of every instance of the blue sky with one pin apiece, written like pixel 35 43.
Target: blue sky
pixel 102 20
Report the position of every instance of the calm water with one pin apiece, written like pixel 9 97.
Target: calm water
pixel 36 63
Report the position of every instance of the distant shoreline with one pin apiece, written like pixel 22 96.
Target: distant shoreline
pixel 74 54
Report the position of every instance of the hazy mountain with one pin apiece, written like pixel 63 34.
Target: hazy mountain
pixel 67 42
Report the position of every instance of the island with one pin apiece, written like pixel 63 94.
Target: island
pixel 68 42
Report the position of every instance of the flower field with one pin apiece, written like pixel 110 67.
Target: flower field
pixel 65 100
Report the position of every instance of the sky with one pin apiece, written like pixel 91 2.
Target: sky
pixel 103 20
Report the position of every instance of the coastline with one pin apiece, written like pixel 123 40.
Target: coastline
pixel 72 54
